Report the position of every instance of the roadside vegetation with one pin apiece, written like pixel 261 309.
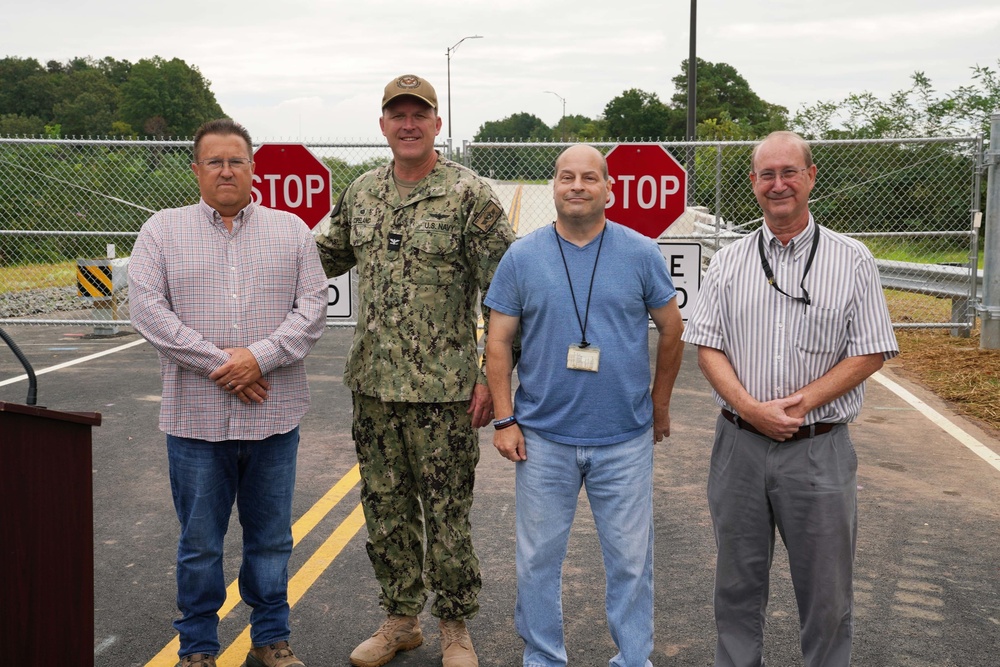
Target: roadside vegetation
pixel 37 276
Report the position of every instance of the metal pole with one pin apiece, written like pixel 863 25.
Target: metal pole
pixel 447 53
pixel 692 99
pixel 692 73
pixel 989 311
pixel 563 113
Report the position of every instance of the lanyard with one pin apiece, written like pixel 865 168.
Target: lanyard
pixel 770 275
pixel 576 309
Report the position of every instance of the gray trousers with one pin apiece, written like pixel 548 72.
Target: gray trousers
pixel 808 490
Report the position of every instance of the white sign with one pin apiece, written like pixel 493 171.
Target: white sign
pixel 684 265
pixel 338 305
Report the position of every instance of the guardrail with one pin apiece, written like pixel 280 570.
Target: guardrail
pixel 938 280
pixel 942 281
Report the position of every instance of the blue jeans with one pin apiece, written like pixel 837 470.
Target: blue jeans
pixel 619 483
pixel 205 479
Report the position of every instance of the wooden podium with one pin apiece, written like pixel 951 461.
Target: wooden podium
pixel 47 535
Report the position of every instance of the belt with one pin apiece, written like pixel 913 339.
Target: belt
pixel 808 431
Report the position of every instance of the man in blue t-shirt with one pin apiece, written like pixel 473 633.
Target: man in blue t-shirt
pixel 581 291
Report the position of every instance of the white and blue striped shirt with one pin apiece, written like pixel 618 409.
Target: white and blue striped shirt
pixel 776 344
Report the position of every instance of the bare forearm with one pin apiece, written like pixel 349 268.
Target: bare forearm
pixel 836 382
pixel 499 367
pixel 719 372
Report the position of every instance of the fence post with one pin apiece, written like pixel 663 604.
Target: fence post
pixel 989 310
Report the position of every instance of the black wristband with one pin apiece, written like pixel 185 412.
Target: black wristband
pixel 500 424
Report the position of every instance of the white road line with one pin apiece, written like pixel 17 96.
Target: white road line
pixel 976 447
pixel 105 645
pixel 75 361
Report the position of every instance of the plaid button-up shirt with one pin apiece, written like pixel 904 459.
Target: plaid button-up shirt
pixel 196 288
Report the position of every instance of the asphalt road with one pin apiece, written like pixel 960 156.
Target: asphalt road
pixel 928 563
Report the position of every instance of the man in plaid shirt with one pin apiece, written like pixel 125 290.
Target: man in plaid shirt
pixel 233 297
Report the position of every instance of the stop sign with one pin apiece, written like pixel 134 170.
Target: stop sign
pixel 650 190
pixel 290 178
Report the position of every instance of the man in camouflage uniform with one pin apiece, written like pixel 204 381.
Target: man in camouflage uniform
pixel 426 235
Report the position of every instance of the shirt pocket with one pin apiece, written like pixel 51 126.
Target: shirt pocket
pixel 362 235
pixel 436 257
pixel 822 330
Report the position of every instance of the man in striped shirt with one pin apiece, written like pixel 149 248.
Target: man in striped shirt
pixel 790 322
pixel 233 297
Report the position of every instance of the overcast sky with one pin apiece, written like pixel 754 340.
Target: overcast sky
pixel 315 69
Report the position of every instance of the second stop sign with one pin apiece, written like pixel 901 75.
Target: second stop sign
pixel 650 189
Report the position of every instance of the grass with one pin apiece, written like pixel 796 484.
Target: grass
pixel 36 276
pixel 954 369
pixel 951 367
pixel 939 251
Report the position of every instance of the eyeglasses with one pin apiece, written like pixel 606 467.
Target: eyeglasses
pixel 788 174
pixel 217 163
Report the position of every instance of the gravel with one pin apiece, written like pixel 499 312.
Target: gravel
pixel 31 303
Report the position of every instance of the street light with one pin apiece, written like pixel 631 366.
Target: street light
pixel 448 53
pixel 564 110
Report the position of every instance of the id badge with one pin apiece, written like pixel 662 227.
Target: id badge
pixel 583 358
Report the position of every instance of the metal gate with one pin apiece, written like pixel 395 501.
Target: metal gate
pixel 912 201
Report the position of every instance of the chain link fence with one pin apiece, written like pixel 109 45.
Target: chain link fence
pixel 911 201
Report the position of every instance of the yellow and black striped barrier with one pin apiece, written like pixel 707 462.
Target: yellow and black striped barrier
pixel 99 279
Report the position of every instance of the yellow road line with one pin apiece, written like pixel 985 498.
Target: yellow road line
pixel 167 657
pixel 515 208
pixel 303 579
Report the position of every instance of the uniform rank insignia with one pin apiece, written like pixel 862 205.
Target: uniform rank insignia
pixel 488 216
pixel 395 241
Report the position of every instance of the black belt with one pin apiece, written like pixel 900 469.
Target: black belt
pixel 809 431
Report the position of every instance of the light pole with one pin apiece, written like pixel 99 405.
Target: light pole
pixel 564 110
pixel 448 53
pixel 692 118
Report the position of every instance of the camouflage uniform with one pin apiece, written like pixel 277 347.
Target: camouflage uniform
pixel 424 264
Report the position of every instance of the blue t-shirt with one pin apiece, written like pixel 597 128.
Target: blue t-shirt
pixel 579 407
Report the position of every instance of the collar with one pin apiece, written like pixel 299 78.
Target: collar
pixel 384 187
pixel 215 218
pixel 798 245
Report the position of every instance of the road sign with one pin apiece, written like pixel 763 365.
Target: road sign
pixel 338 303
pixel 290 178
pixel 684 265
pixel 650 190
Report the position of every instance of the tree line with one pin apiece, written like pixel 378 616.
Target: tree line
pixel 727 108
pixel 85 97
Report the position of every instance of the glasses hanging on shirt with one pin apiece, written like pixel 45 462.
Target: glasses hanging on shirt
pixel 769 274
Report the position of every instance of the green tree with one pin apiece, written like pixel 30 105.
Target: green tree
pixel 578 128
pixel 723 94
pixel 12 124
pixel 518 127
pixel 88 103
pixel 26 88
pixel 915 111
pixel 167 98
pixel 636 114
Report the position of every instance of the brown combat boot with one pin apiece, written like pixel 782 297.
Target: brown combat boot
pixel 456 645
pixel 274 655
pixel 397 633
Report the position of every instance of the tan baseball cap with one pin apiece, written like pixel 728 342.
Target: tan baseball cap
pixel 410 84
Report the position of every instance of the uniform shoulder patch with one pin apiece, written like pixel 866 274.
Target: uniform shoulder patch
pixel 488 216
